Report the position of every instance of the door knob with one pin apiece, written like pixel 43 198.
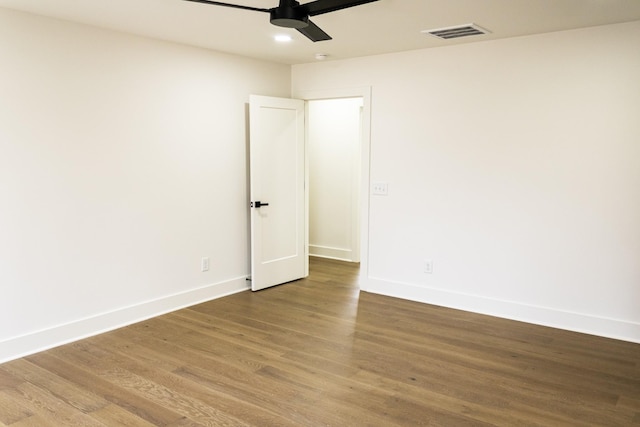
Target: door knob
pixel 258 204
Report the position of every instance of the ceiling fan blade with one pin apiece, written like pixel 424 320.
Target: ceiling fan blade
pixel 319 7
pixel 236 6
pixel 314 33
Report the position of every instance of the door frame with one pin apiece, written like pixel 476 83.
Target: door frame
pixel 363 92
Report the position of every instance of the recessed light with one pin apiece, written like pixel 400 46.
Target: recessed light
pixel 282 38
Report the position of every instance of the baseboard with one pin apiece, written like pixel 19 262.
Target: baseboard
pixel 62 334
pixel 331 253
pixel 544 316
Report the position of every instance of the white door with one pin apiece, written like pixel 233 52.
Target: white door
pixel 277 175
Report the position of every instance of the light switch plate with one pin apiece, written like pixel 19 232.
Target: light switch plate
pixel 380 188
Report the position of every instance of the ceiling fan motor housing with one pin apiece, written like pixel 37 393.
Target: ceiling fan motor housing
pixel 292 14
pixel 288 16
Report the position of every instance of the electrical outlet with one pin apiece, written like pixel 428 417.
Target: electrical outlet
pixel 204 264
pixel 428 266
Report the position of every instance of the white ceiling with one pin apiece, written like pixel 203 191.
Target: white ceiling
pixel 380 27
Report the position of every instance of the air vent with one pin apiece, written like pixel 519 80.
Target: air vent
pixel 456 32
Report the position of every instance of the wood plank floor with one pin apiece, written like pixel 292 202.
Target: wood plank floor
pixel 316 353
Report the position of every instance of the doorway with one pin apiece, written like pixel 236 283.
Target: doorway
pixel 334 132
pixel 361 176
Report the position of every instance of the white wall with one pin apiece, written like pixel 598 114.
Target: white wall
pixel 122 163
pixel 515 166
pixel 334 177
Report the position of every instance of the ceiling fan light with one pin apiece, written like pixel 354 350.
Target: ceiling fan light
pixel 283 38
pixel 289 18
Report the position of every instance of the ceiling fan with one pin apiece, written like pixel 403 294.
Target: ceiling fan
pixel 292 14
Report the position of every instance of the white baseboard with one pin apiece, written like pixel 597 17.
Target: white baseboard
pixel 34 342
pixel 331 253
pixel 578 322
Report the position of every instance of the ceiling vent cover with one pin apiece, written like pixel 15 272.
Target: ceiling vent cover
pixel 456 32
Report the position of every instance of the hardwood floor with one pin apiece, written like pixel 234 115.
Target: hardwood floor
pixel 316 353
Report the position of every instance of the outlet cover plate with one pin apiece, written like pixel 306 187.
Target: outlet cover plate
pixel 428 266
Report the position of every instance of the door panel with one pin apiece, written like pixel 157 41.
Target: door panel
pixel 277 170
